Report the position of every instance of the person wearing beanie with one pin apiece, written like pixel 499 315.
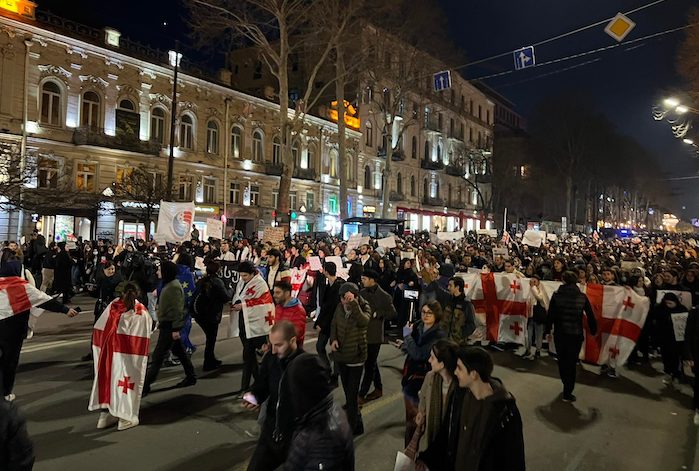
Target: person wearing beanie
pixel 382 309
pixel 348 341
pixel 319 421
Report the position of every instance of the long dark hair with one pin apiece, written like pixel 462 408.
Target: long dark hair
pixel 168 270
pixel 128 296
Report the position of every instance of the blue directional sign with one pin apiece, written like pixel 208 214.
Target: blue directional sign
pixel 524 58
pixel 442 80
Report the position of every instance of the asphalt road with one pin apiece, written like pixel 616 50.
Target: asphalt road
pixel 630 423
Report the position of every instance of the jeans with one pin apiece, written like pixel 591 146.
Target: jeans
pixel 351 376
pixel 321 345
pixel 10 349
pixel 210 329
pixel 268 455
pixel 250 367
pixel 164 345
pixel 411 410
pixel 535 332
pixel 371 370
pixel 568 349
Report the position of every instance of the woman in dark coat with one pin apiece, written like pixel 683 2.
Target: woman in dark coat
pixel 387 275
pixel 669 347
pixel 62 278
pixel 210 296
pixel 418 346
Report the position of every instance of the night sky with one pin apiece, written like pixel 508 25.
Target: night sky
pixel 624 83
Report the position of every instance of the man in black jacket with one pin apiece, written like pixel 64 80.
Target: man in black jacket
pixel 329 299
pixel 272 385
pixel 16 448
pixel 566 311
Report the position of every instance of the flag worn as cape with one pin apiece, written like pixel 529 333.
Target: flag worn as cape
pixel 120 343
pixel 17 295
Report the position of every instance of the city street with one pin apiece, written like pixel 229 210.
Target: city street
pixel 633 422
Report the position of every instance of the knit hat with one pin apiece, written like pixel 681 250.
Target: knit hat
pixel 309 382
pixel 447 269
pixel 373 274
pixel 349 287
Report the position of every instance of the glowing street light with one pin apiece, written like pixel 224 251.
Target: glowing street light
pixel 681 109
pixel 671 102
pixel 688 141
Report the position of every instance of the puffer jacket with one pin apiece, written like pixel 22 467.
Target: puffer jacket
pixel 16 448
pixel 349 329
pixel 566 312
pixel 326 428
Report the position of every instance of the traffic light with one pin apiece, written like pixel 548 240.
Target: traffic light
pixel 293 216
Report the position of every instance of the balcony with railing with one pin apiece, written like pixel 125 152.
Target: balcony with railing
pixel 432 125
pixel 431 164
pixel 89 136
pixel 304 173
pixel 455 170
pixel 431 201
pixel 274 168
pixel 487 178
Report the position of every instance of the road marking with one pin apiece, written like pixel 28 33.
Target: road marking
pixel 51 345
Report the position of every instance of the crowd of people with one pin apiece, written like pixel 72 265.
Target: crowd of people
pixel 357 299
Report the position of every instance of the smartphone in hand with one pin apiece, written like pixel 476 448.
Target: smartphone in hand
pixel 250 397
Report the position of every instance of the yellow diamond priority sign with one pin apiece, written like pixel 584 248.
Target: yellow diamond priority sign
pixel 620 26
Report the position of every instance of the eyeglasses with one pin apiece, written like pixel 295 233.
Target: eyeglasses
pixel 427 312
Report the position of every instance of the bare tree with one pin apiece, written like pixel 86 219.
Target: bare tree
pixel 13 178
pixel 277 29
pixel 687 57
pixel 139 192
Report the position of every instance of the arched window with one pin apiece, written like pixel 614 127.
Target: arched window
pixel 413 148
pixel 296 154
pixel 276 150
pixel 90 111
pixel 128 120
pixel 187 132
pixel 212 137
pixel 157 125
pixel 399 184
pixel 236 142
pixel 51 104
pixel 369 134
pixel 334 164
pixel 427 150
pixel 367 177
pixel 412 185
pixel 257 149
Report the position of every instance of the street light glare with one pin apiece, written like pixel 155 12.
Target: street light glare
pixel 688 141
pixel 681 109
pixel 671 102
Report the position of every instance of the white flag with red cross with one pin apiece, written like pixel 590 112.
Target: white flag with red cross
pixel 620 315
pixel 298 276
pixel 258 307
pixel 17 295
pixel 120 342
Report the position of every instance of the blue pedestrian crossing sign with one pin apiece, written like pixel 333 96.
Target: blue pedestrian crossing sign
pixel 442 80
pixel 524 58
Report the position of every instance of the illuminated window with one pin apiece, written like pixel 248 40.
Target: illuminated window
pixel 311 152
pixel 333 207
pixel 212 137
pixel 187 132
pixel 349 170
pixel 236 142
pixel 47 173
pixel 184 188
pixel 310 201
pixel 296 153
pixel 254 195
pixel 209 190
pixel 234 194
pixel 127 120
pixel 257 150
pixel 51 104
pixel 276 150
pixel 157 125
pixel 334 164
pixel 85 177
pixel 90 114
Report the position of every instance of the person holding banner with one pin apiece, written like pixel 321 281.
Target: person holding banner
pixel 567 309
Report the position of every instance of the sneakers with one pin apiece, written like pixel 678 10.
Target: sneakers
pixel 569 398
pixel 10 397
pixel 126 424
pixel 171 362
pixel 106 420
pixel 696 418
pixel 611 373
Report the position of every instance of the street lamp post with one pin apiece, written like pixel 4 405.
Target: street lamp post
pixel 175 58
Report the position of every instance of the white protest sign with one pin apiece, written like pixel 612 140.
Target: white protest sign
pixel 488 232
pixel 533 238
pixel 214 228
pixel 199 263
pixel 355 241
pixel 408 255
pixel 456 235
pixel 343 273
pixel 336 260
pixel 314 263
pixel 387 242
pixel 679 324
pixel 552 237
pixel 685 297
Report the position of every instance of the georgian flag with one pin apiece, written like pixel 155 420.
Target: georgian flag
pixel 258 307
pixel 17 295
pixel 120 343
pixel 298 276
